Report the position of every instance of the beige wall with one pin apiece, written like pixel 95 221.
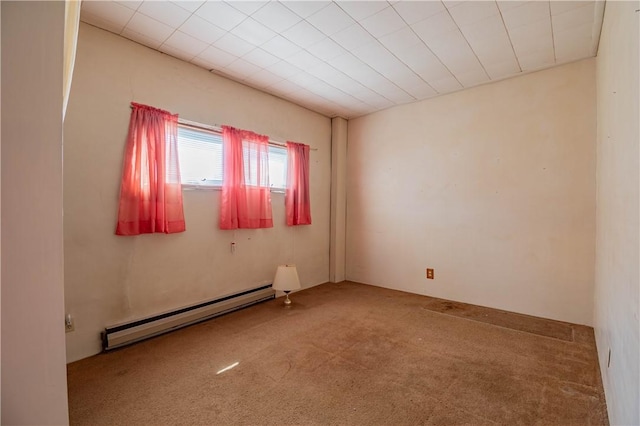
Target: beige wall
pixel 617 300
pixel 34 387
pixel 493 187
pixel 109 279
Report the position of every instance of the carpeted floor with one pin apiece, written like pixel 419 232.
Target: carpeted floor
pixel 349 354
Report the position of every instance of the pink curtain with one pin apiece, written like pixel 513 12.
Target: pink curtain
pixel 297 200
pixel 246 196
pixel 150 191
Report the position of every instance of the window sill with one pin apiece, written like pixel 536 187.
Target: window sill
pixel 188 187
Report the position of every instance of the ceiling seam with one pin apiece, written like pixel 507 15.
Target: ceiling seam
pixel 513 49
pixel 553 38
pixel 348 52
pixel 357 22
pixel 430 50
pixel 468 44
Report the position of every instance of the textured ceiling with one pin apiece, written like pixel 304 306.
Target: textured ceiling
pixel 350 58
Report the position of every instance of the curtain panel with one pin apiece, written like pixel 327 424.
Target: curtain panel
pixel 297 198
pixel 150 190
pixel 246 195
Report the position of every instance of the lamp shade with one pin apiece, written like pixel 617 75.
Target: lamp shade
pixel 286 278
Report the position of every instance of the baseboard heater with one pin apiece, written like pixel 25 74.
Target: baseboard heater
pixel 119 335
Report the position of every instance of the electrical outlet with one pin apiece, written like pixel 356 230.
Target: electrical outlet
pixel 68 324
pixel 429 273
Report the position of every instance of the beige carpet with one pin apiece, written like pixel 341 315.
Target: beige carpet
pixel 349 354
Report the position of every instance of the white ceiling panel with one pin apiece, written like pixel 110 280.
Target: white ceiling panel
pixel 304 60
pixel 374 54
pixel 351 66
pixel 264 78
pixel 573 43
pixel 389 90
pixel 131 4
pixel 536 60
pixel 149 27
pixel 352 37
pixel 217 57
pixel 184 42
pixel 99 22
pixel 241 68
pixel 326 49
pixel 284 69
pixel 422 91
pixel 382 103
pixel 261 58
pixel 422 61
pixel 284 87
pixel 329 74
pixel 574 18
pixel 253 32
pixel 450 3
pixel 433 27
pixel 403 77
pixel 359 10
pixel 415 11
pixel 220 14
pixel 385 22
pixel 496 48
pixel 498 70
pixel 531 37
pixel 305 9
pixel 246 7
pixel 281 47
pixel 558 7
pixel 472 77
pixel 454 52
pixel 189 5
pixel 446 84
pixel 350 58
pixel 400 40
pixel 331 93
pixel 370 97
pixel 277 17
pixel 114 13
pixel 469 12
pixel 358 90
pixel 330 19
pixel 524 14
pixel 506 5
pixel 233 44
pixel 407 80
pixel 484 28
pixel 202 29
pixel 303 34
pixel 165 12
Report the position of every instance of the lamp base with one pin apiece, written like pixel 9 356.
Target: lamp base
pixel 287 301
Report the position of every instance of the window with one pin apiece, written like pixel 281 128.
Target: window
pixel 200 153
pixel 277 167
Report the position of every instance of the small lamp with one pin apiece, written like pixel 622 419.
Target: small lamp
pixel 286 280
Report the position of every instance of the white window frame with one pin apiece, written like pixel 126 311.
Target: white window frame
pixel 274 148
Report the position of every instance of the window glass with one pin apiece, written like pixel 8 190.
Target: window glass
pixel 200 154
pixel 277 167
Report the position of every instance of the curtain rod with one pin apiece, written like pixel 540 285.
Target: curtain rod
pixel 218 128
